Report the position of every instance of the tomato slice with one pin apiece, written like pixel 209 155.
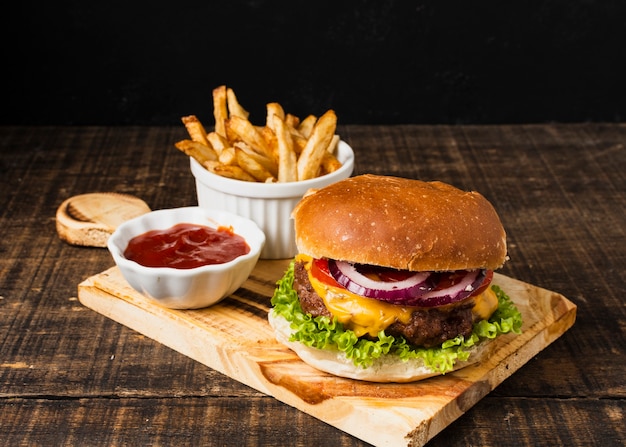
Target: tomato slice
pixel 485 284
pixel 319 270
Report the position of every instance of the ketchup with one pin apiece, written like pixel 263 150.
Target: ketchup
pixel 186 246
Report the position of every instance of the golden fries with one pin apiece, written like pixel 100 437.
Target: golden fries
pixel 220 110
pixel 253 167
pixel 284 149
pixel 228 156
pixel 268 163
pixel 287 166
pixel 234 108
pixel 313 153
pixel 306 126
pixel 218 142
pixel 330 163
pixel 195 129
pixel 199 151
pixel 273 110
pixel 246 132
pixel 230 171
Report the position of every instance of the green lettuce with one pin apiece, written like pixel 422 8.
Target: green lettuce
pixel 325 333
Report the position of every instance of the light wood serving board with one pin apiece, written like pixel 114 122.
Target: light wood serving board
pixel 234 338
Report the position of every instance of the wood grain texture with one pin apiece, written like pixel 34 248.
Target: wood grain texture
pixel 235 338
pixel 559 189
pixel 89 219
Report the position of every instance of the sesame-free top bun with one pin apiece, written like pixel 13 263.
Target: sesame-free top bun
pixel 400 223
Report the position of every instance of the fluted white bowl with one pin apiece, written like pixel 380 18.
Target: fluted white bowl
pixel 187 288
pixel 268 204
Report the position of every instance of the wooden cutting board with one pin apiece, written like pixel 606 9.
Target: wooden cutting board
pixel 235 338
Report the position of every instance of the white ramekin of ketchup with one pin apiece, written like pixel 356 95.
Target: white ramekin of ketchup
pixel 187 258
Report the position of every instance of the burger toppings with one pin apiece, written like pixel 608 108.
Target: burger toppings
pixel 321 328
pixel 452 287
pixel 381 283
pixel 420 326
pixel 425 289
pixel 321 294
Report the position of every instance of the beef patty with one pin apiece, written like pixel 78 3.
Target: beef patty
pixel 427 327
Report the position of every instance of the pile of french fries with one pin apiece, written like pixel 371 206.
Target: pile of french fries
pixel 285 149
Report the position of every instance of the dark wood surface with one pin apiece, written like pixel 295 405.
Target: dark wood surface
pixel 69 375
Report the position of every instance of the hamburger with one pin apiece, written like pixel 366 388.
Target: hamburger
pixel 393 280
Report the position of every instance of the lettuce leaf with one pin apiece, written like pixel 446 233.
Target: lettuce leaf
pixel 326 333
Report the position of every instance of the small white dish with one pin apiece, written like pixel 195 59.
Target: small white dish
pixel 268 204
pixel 187 288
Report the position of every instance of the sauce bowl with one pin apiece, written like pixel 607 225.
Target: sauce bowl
pixel 192 288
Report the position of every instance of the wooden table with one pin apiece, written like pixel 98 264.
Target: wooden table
pixel 69 374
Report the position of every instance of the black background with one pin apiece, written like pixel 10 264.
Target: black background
pixel 373 61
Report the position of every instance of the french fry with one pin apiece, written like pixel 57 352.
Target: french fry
pixel 249 134
pixel 306 126
pixel 268 163
pixel 230 171
pixel 252 167
pixel 311 157
pixel 228 156
pixel 234 108
pixel 196 150
pixel 270 139
pixel 274 110
pixel 334 142
pixel 220 110
pixel 218 142
pixel 292 120
pixel 299 140
pixel 330 163
pixel 287 168
pixel 195 129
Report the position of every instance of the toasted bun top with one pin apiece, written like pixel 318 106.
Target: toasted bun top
pixel 400 223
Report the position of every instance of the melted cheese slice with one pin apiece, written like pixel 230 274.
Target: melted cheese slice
pixel 370 316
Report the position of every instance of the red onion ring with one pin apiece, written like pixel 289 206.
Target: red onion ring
pixel 348 276
pixel 469 283
pixel 423 289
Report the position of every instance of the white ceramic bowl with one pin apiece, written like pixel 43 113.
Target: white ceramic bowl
pixel 187 288
pixel 268 204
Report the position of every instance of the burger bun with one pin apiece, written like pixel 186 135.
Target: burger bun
pixel 400 223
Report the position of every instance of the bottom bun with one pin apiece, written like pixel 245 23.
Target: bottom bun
pixel 387 368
